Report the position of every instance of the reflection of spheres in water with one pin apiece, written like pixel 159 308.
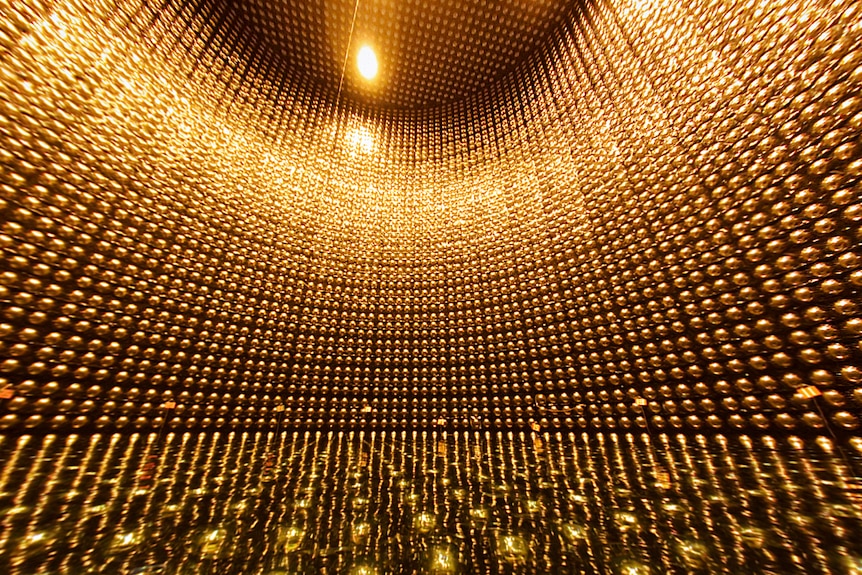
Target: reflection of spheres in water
pixel 753 537
pixel 424 522
pixel 241 507
pixel 38 541
pixel 210 541
pixel 573 533
pixel 290 537
pixel 626 521
pixel 359 533
pixel 692 554
pixel 845 511
pixel 575 497
pixel 364 569
pixel 150 569
pixel 442 560
pixel 532 506
pixel 632 567
pixel 479 515
pixel 512 549
pixel 670 523
pixel 672 507
pixel 125 541
pixel 852 564
pixel 799 519
pixel 17 510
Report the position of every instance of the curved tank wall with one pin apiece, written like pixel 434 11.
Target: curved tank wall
pixel 653 222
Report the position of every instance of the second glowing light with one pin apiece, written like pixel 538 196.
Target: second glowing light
pixel 366 61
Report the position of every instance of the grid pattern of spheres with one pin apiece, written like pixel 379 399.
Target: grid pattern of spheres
pixel 650 223
pixel 435 52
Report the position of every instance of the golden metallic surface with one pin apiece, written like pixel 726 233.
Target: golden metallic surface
pixel 651 222
pixel 568 286
pixel 432 53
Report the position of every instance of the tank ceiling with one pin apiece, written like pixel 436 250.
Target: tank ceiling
pixel 593 216
pixel 433 52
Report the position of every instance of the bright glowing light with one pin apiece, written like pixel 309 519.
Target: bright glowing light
pixel 361 140
pixel 366 60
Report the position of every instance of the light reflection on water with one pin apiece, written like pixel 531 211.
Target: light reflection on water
pixel 429 502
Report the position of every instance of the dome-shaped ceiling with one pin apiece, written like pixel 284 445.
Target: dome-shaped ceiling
pixel 431 52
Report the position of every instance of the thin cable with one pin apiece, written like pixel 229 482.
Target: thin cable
pixel 346 54
pixel 340 88
pixel 338 93
pixel 832 433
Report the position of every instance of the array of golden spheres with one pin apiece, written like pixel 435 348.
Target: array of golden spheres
pixel 653 222
pixel 435 52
